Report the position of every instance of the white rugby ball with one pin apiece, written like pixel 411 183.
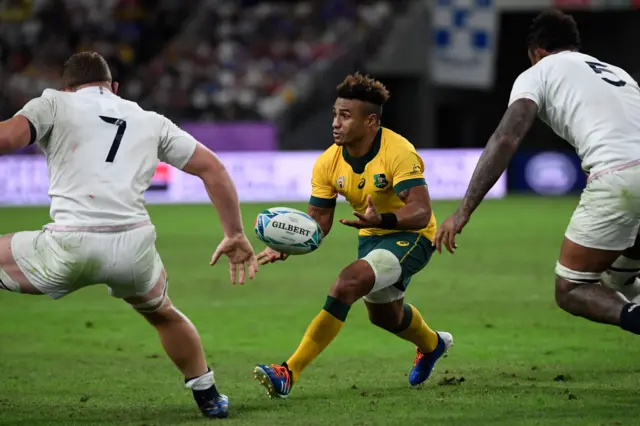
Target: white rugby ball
pixel 288 230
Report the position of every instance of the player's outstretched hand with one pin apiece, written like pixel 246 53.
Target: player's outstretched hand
pixel 370 218
pixel 269 255
pixel 447 231
pixel 241 256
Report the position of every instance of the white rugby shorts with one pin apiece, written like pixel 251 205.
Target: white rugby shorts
pixel 59 262
pixel 608 214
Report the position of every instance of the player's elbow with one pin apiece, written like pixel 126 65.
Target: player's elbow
pixel 422 217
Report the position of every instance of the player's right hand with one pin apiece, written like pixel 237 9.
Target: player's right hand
pixel 448 230
pixel 269 255
pixel 241 256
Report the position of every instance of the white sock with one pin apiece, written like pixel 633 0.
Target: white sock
pixel 203 382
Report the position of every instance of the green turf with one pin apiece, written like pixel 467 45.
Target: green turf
pixel 89 360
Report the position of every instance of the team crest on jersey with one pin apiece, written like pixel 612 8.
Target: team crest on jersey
pixel 340 182
pixel 380 180
pixel 416 169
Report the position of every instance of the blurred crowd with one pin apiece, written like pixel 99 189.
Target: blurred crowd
pixel 188 59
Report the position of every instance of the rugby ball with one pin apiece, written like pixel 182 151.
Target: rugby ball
pixel 288 230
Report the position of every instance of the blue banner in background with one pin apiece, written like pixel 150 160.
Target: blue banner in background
pixel 464 42
pixel 546 173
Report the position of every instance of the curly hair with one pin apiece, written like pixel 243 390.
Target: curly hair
pixel 553 30
pixel 366 89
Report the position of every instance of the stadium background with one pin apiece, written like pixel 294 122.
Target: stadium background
pixel 254 80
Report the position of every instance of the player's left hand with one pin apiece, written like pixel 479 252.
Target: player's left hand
pixel 370 218
pixel 241 257
pixel 447 231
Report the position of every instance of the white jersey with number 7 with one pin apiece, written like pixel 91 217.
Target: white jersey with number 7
pixel 102 152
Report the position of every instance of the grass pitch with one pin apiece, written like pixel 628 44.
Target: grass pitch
pixel 88 359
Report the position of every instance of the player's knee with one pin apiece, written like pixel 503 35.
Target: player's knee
pixel 164 315
pixel 568 279
pixel 8 283
pixel 562 293
pixel 354 281
pixel 153 304
pixel 390 321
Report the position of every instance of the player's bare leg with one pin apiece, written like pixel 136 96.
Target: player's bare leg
pixel 406 322
pixel 182 343
pixel 622 275
pixel 354 282
pixel 578 290
pixel 11 277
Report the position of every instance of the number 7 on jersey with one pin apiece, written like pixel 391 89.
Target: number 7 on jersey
pixel 122 126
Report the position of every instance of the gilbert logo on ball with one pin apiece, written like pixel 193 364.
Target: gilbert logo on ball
pixel 288 230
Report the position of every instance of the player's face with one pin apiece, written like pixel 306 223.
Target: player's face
pixel 349 121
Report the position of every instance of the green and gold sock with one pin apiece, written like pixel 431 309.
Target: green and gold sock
pixel 322 330
pixel 415 330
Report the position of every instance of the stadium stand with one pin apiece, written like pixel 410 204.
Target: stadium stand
pixel 188 59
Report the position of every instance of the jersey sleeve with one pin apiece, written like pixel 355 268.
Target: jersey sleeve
pixel 408 169
pixel 176 146
pixel 529 85
pixel 323 193
pixel 40 113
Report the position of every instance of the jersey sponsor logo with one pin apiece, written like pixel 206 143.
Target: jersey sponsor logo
pixel 380 180
pixel 362 182
pixel 402 243
pixel 340 182
pixel 291 228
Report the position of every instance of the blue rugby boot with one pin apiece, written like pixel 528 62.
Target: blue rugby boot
pixel 212 404
pixel 276 379
pixel 423 363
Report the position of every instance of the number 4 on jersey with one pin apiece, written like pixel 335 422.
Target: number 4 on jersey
pixel 599 68
pixel 122 126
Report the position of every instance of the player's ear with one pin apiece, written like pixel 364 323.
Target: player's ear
pixel 537 54
pixel 114 87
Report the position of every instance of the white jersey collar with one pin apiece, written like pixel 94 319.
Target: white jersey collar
pixel 94 89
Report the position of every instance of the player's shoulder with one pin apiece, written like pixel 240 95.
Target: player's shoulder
pixel 329 155
pixel 394 144
pixel 52 96
pixel 51 93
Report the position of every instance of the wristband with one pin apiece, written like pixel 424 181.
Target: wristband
pixel 388 220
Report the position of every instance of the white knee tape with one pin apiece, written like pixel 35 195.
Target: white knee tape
pixel 386 267
pixel 577 277
pixel 154 304
pixel 6 283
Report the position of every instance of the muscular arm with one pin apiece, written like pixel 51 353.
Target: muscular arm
pixel 15 133
pixel 222 192
pixel 324 217
pixel 495 158
pixel 416 213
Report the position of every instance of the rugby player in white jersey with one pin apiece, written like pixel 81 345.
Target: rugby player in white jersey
pixel 102 152
pixel 595 107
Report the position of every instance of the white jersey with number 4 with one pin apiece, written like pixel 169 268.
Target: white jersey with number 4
pixel 102 152
pixel 592 105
